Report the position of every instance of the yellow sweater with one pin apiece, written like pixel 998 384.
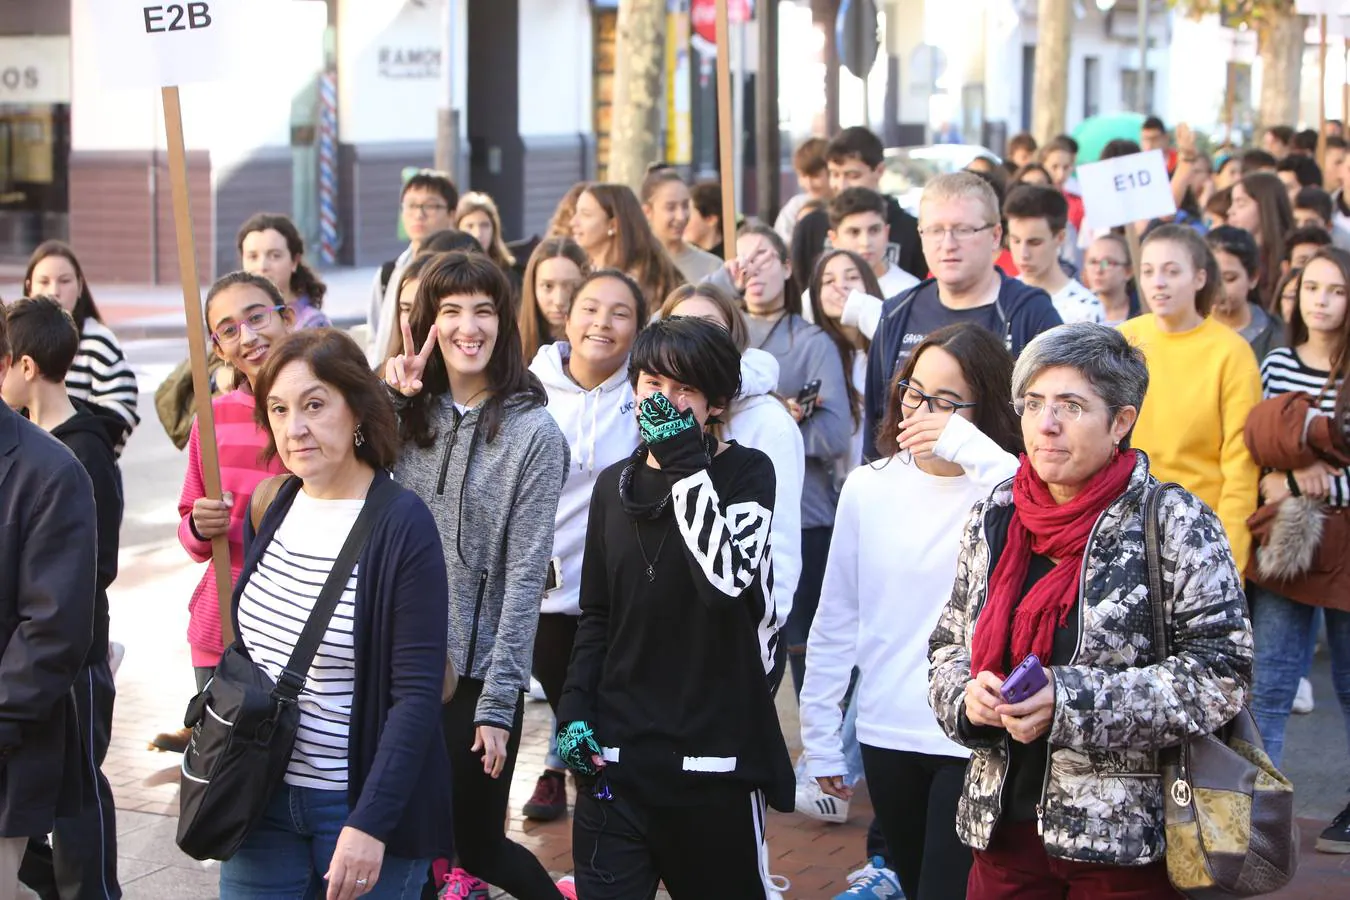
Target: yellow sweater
pixel 1202 384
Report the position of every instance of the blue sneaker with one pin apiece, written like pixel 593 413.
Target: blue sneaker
pixel 873 882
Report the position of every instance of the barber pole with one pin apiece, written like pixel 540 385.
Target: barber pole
pixel 328 233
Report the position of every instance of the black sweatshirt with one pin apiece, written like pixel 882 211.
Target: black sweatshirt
pixel 672 673
pixel 91 434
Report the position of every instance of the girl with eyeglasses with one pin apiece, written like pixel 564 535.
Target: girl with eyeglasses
pixel 1106 271
pixel 952 436
pixel 246 317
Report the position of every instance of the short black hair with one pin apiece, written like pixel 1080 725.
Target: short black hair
pixel 854 200
pixel 1120 147
pixel 1153 123
pixel 1336 143
pixel 437 182
pixel 1306 140
pixel 448 239
pixel 706 197
pixel 1282 133
pixel 1305 169
pixel 1062 142
pixel 1236 242
pixel 692 351
pixel 1316 200
pixel 856 142
pixel 1035 201
pixel 1318 237
pixel 39 328
pixel 1254 160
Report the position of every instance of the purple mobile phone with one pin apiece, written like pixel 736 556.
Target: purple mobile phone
pixel 1025 681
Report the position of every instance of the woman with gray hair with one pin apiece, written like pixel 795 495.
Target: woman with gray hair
pixel 1063 791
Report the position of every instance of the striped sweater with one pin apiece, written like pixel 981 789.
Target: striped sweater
pixel 1283 372
pixel 101 375
pixel 240 444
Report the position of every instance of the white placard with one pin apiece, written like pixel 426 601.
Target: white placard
pixel 159 43
pixel 1126 189
pixel 1322 7
pixel 34 70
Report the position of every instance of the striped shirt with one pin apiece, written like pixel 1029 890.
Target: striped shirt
pixel 1282 372
pixel 276 603
pixel 101 375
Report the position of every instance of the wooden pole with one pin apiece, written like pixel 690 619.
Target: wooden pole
pixel 1136 255
pixel 726 137
pixel 196 335
pixel 1322 92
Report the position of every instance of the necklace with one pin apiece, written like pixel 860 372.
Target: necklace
pixel 768 313
pixel 651 563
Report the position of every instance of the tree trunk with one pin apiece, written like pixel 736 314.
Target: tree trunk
pixel 639 70
pixel 1054 21
pixel 1280 44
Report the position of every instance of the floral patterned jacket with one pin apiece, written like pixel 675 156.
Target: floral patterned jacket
pixel 1117 704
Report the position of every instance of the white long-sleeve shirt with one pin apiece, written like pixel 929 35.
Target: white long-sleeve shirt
pixel 886 582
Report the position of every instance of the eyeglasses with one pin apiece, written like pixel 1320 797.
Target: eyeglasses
pixel 425 209
pixel 962 233
pixel 913 398
pixel 1061 410
pixel 256 321
pixel 1102 265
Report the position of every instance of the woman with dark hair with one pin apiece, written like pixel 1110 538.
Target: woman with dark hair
pixel 1063 795
pixel 846 300
pixel 666 203
pixel 952 434
pixel 1203 381
pixel 100 373
pixel 364 804
pixel 1302 531
pixel 1238 305
pixel 1286 292
pixel 675 605
pixel 482 451
pixel 555 269
pixel 1260 206
pixel 396 307
pixel 478 217
pixel 270 245
pixel 610 227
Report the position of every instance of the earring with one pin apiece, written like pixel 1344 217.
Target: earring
pixel 358 438
pixel 610 232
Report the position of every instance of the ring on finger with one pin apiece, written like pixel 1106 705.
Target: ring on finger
pixel 362 882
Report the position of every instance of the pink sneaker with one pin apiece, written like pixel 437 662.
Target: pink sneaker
pixel 567 886
pixel 460 885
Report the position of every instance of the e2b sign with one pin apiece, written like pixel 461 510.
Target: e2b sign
pixel 1126 189
pixel 160 43
pixel 177 17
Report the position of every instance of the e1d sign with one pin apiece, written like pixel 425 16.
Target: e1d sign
pixel 1126 189
pixel 154 43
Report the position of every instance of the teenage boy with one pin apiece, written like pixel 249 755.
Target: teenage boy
pixel 856 158
pixel 1021 151
pixel 1036 217
pixel 666 715
pixel 426 206
pixel 1331 166
pixel 813 182
pixel 1299 246
pixel 858 223
pixel 1059 158
pixel 48 581
pixel 1296 172
pixel 705 217
pixel 1313 208
pixel 43 342
pixel 1278 141
pixel 959 222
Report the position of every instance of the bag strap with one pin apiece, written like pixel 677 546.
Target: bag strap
pixel 1153 558
pixel 262 498
pixel 293 676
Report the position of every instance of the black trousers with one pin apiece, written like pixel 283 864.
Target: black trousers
pixel 553 653
pixel 81 862
pixel 915 796
pixel 622 849
pixel 480 803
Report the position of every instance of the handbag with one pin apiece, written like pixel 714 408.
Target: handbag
pixel 244 724
pixel 1228 812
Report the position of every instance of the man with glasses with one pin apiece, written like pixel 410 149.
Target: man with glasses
pixel 961 234
pixel 427 205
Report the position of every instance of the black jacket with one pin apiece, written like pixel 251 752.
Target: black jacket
pixel 91 435
pixel 47 586
pixel 812 232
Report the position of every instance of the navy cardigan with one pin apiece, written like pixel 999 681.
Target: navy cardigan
pixel 398 771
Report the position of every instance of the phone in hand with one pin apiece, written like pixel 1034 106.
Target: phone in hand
pixel 807 397
pixel 1025 681
pixel 554 579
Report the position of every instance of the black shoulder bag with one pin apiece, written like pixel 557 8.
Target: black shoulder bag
pixel 1227 811
pixel 244 725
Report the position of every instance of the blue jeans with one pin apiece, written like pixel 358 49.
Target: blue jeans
pixel 1282 631
pixel 286 856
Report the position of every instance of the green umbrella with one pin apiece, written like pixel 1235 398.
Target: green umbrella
pixel 1095 133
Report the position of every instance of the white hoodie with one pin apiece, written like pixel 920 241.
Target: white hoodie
pixel 886 582
pixel 759 420
pixel 601 429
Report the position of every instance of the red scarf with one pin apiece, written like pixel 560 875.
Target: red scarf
pixel 1041 526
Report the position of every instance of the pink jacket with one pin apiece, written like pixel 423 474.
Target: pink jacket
pixel 240 444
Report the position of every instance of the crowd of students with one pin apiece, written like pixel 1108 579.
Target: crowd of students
pixel 659 481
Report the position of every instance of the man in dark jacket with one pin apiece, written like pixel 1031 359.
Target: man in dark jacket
pixel 43 340
pixel 856 158
pixel 959 223
pixel 48 565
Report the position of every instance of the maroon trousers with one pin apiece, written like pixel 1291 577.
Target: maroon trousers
pixel 1016 865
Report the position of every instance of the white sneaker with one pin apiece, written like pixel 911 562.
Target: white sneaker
pixel 815 803
pixel 1303 699
pixel 536 690
pixel 115 653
